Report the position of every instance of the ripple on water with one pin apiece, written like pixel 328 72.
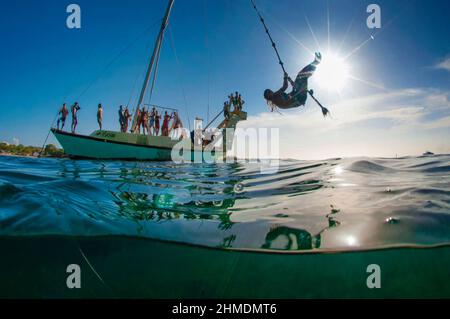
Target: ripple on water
pixel 306 205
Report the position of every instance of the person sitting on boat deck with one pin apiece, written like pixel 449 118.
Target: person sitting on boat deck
pixel 121 119
pixel 297 97
pixel 75 108
pixel 126 119
pixel 62 119
pixel 226 110
pixel 152 121
pixel 100 116
pixel 165 125
pixel 157 121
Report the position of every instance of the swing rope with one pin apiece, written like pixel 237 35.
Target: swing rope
pixel 269 35
pixel 325 111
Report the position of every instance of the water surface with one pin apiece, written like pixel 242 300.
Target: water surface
pixel 343 204
pixel 106 213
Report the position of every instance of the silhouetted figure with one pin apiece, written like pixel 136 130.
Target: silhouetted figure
pixel 122 119
pixel 297 97
pixel 100 116
pixel 226 110
pixel 127 118
pixel 75 108
pixel 240 103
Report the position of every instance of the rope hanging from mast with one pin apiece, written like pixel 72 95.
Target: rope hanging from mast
pixel 269 35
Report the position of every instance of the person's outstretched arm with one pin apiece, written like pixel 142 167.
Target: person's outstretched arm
pixel 291 82
pixel 285 84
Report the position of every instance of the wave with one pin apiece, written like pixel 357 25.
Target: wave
pixel 8 190
pixel 364 166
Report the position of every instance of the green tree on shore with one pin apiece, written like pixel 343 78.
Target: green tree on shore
pixel 21 150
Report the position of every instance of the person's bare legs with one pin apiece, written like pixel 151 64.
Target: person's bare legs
pixel 74 124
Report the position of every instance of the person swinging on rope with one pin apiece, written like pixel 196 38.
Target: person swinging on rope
pixel 297 97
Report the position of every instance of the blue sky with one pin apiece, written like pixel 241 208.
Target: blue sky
pixel 400 104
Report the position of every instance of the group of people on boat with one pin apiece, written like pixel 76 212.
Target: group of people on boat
pixel 150 122
pixel 124 118
pixel 64 113
pixel 234 100
pixel 203 136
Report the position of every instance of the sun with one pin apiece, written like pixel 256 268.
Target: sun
pixel 332 73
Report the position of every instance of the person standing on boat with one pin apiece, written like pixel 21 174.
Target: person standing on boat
pixel 100 116
pixel 64 112
pixel 138 122
pixel 165 125
pixel 236 101
pixel 126 118
pixel 75 108
pixel 240 103
pixel 297 97
pixel 176 124
pixel 122 119
pixel 152 121
pixel 157 120
pixel 143 115
pixel 226 110
pixel 145 127
pixel 231 100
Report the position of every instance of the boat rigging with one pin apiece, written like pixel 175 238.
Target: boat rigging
pixel 153 61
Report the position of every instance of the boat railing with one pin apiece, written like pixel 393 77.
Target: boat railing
pixel 161 107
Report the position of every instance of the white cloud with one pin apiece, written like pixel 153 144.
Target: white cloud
pixel 403 122
pixel 444 65
pixel 443 122
pixel 15 141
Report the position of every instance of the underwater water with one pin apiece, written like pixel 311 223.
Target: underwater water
pixel 164 230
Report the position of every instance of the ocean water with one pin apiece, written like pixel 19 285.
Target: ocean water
pixel 164 230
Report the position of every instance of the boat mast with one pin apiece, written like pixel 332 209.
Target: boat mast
pixel 155 55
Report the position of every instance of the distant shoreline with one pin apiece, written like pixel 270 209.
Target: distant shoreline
pixel 31 156
pixel 49 150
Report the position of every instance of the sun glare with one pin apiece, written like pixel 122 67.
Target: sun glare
pixel 332 73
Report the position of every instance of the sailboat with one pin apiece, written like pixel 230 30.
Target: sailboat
pixel 104 144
